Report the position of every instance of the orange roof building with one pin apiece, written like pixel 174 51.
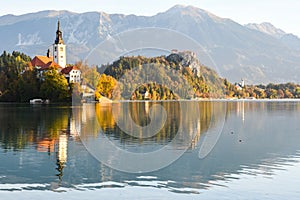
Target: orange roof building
pixel 44 63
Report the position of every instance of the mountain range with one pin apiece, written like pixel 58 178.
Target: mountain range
pixel 257 53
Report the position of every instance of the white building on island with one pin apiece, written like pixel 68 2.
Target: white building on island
pixel 72 73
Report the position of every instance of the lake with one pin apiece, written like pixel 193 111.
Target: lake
pixel 151 150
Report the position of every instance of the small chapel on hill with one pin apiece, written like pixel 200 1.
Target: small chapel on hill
pixel 57 59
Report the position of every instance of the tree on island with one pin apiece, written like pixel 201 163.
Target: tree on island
pixel 54 86
pixel 11 68
pixel 106 86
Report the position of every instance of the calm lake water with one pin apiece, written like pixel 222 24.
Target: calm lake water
pixel 235 150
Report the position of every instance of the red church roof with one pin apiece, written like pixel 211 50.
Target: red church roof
pixel 44 62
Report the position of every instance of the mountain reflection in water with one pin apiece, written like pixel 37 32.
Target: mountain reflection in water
pixel 43 144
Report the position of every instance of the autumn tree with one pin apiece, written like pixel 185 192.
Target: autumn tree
pixel 54 86
pixel 90 75
pixel 106 86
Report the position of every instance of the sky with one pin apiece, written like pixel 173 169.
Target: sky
pixel 282 14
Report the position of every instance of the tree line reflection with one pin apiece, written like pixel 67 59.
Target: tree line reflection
pixel 21 126
pixel 49 129
pixel 179 115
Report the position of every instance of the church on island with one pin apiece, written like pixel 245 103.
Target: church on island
pixel 57 59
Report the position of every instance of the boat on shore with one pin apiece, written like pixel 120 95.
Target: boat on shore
pixel 39 101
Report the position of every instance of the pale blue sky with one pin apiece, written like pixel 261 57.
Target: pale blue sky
pixel 282 13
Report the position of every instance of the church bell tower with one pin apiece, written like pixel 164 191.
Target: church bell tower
pixel 59 48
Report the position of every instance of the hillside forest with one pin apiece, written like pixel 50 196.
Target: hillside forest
pixel 132 77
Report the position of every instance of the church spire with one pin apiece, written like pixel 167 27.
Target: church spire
pixel 58 39
pixel 59 48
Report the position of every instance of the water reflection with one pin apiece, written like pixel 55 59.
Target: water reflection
pixel 158 150
pixel 42 144
pixel 24 129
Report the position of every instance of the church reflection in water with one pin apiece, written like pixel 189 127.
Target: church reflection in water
pixel 236 135
pixel 89 120
pixel 56 144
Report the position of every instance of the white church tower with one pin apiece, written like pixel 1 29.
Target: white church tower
pixel 59 48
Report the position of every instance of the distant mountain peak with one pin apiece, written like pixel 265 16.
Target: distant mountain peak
pixel 11 19
pixel 184 7
pixel 267 28
pixel 259 55
pixel 192 11
pixel 187 9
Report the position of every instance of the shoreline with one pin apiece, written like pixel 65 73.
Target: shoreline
pixel 144 101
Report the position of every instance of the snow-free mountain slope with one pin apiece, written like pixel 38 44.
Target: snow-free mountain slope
pixel 256 53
